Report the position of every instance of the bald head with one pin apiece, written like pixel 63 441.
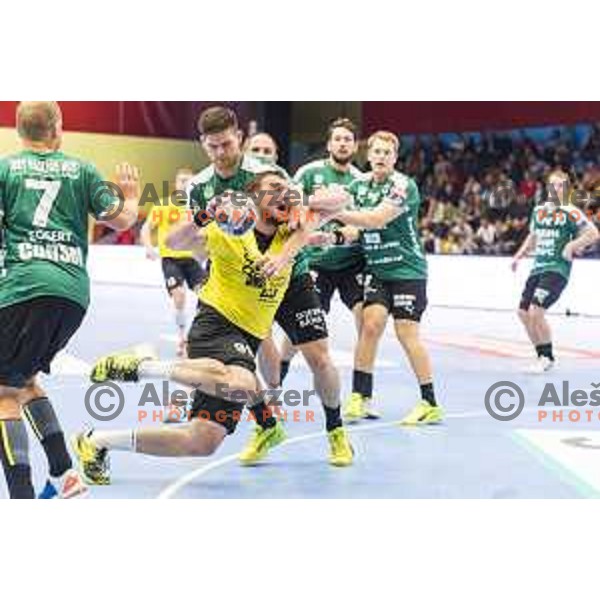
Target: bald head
pixel 39 122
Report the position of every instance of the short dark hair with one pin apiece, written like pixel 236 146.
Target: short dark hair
pixel 254 185
pixel 342 122
pixel 38 121
pixel 217 119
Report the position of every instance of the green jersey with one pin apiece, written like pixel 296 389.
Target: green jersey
pixel 554 227
pixel 208 183
pixel 322 174
pixel 45 198
pixel 394 252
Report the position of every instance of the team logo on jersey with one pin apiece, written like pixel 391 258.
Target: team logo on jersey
pixel 242 348
pixel 319 180
pixel 372 237
pixel 362 191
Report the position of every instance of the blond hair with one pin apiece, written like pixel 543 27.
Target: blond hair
pixel 38 121
pixel 384 136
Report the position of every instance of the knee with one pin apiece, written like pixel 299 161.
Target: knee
pixel 536 313
pixel 178 296
pixel 31 392
pixel 201 440
pixel 10 409
pixel 407 332
pixel 371 329
pixel 318 358
pixel 243 381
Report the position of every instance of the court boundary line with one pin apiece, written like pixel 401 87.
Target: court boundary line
pixel 174 488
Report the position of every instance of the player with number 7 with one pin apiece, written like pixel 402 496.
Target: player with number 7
pixel 45 199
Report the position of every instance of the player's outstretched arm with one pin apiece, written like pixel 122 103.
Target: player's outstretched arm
pixel 588 237
pixel 125 217
pixel 372 219
pixel 146 236
pixel 188 236
pixel 526 247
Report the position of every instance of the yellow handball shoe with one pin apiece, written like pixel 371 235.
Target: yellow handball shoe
pixel 261 442
pixel 341 453
pixel 360 407
pixel 94 461
pixel 122 366
pixel 423 414
pixel 355 408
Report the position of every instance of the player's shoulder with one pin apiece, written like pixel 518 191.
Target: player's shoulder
pixel 310 167
pixel 203 177
pixel 399 178
pixel 361 180
pixel 355 172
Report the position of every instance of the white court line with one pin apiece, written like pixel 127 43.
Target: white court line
pixel 173 489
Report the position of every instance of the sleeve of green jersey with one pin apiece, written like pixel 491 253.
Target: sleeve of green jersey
pixel 101 194
pixel 194 198
pixel 410 200
pixel 413 197
pixel 302 178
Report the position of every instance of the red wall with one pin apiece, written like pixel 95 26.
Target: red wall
pixel 440 117
pixel 143 118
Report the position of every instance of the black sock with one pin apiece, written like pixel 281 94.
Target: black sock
pixel 428 394
pixel 362 383
pixel 263 415
pixel 333 418
pixel 284 367
pixel 14 456
pixel 45 425
pixel 545 350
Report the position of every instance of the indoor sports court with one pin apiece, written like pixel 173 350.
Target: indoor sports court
pixel 469 456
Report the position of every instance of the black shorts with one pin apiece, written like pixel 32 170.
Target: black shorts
pixel 300 314
pixel 31 335
pixel 405 299
pixel 213 336
pixel 178 271
pixel 542 290
pixel 349 283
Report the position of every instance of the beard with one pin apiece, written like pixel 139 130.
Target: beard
pixel 342 160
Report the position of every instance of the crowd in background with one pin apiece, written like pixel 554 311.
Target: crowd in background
pixel 478 191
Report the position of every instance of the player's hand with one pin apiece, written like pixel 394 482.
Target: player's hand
pixel 400 190
pixel 514 265
pixel 128 179
pixel 569 252
pixel 151 253
pixel 321 239
pixel 330 201
pixel 273 265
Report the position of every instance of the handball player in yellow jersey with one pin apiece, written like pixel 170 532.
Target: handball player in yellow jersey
pixel 237 307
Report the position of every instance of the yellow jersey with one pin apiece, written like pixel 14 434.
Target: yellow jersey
pixel 164 218
pixel 236 287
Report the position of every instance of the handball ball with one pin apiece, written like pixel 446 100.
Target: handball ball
pixel 236 216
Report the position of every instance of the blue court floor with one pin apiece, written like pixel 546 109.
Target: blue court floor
pixel 470 456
